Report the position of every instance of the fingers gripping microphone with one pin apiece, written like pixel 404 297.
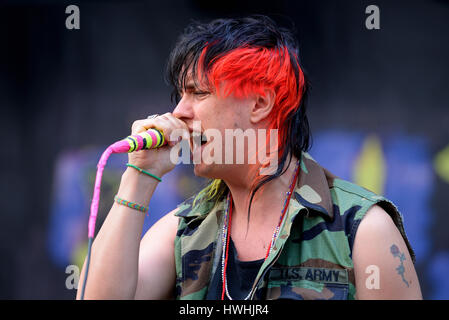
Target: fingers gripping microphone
pixel 149 139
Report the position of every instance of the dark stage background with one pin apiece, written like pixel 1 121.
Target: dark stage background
pixel 378 112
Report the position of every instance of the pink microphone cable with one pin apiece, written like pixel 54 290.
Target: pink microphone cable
pixel 149 139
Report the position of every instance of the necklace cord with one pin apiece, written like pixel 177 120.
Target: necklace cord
pixel 227 231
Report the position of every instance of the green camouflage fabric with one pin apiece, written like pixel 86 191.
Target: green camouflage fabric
pixel 312 256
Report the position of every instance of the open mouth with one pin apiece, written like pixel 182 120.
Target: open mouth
pixel 197 141
pixel 203 139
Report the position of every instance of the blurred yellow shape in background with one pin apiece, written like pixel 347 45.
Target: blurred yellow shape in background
pixel 369 169
pixel 441 164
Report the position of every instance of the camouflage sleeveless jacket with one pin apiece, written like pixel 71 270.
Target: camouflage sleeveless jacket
pixel 312 256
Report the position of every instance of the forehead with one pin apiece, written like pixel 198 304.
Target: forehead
pixel 191 81
pixel 192 72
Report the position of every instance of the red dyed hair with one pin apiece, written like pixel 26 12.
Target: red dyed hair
pixel 250 70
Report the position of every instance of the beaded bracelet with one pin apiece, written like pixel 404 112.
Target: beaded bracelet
pixel 143 171
pixel 130 204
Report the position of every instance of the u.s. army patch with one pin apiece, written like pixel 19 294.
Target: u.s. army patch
pixel 322 275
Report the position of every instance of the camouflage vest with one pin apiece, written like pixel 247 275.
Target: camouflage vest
pixel 312 256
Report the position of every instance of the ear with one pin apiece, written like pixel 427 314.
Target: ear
pixel 262 106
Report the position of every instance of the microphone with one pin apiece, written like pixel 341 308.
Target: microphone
pixel 150 139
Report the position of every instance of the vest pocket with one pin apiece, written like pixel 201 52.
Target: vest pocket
pixel 306 290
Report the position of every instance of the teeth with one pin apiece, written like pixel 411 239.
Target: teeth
pixel 203 139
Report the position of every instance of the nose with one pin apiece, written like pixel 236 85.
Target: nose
pixel 184 110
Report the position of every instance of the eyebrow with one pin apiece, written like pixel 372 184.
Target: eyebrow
pixel 190 86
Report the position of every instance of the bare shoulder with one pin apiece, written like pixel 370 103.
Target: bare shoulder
pixel 157 274
pixel 382 264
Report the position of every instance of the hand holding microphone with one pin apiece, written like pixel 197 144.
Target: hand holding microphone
pixel 146 151
pixel 149 144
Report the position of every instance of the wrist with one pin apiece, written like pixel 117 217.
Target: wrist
pixel 134 176
pixel 155 170
pixel 129 165
pixel 136 186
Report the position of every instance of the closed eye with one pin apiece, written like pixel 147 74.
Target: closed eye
pixel 192 89
pixel 199 93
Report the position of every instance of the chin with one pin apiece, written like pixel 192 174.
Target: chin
pixel 200 170
pixel 205 171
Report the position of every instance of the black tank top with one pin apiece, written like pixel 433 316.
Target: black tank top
pixel 240 274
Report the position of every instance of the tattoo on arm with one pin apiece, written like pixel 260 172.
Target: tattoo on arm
pixel 400 269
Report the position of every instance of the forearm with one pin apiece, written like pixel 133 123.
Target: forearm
pixel 114 260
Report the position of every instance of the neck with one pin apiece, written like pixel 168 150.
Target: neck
pixel 267 201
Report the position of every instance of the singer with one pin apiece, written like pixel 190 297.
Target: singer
pixel 295 232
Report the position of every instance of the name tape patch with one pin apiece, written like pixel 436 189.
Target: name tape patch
pixel 323 275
